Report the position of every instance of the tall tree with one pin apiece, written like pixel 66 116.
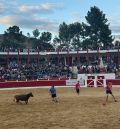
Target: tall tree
pixel 57 42
pixel 97 29
pixel 36 33
pixel 28 35
pixel 43 43
pixel 64 35
pixel 14 30
pixel 117 43
pixel 46 37
pixel 71 35
pixel 76 35
pixel 13 38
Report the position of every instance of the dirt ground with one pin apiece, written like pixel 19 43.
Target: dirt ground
pixel 85 111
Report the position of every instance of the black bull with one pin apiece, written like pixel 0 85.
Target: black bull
pixel 23 97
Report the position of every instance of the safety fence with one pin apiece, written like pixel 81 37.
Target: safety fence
pixel 42 83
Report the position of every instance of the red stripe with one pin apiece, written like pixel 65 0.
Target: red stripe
pixel 38 57
pixel 48 57
pixel 18 56
pixel 7 56
pixel 98 55
pixel 87 57
pixel 78 58
pixel 118 56
pixel 68 58
pixel 107 54
pixel 58 57
pixel 28 56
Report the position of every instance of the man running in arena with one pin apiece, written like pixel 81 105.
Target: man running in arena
pixel 77 87
pixel 109 91
pixel 52 92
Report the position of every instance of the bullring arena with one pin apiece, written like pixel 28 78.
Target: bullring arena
pixel 84 111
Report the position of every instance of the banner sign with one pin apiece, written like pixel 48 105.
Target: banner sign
pixel 74 81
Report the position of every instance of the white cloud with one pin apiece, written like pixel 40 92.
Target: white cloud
pixel 34 9
pixel 115 28
pixel 114 21
pixel 8 7
pixel 28 16
pixel 24 22
pixel 14 7
pixel 2 8
pixel 39 8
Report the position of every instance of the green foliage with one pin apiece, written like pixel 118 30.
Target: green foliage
pixel 11 44
pixel 70 35
pixel 13 30
pixel 97 28
pixel 57 42
pixel 13 38
pixel 36 33
pixel 76 32
pixel 64 35
pixel 95 33
pixel 46 37
pixel 117 43
pixel 75 36
pixel 44 42
pixel 42 45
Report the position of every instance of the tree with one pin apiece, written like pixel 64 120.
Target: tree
pixel 36 33
pixel 45 37
pixel 76 35
pixel 13 30
pixel 97 29
pixel 14 33
pixel 57 42
pixel 13 38
pixel 71 35
pixel 117 43
pixel 44 42
pixel 64 35
pixel 28 35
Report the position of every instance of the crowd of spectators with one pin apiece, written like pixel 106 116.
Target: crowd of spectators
pixel 44 71
pixel 96 69
pixel 33 72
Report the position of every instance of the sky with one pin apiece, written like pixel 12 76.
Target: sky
pixel 47 15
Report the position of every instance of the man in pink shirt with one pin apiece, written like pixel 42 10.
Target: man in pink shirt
pixel 77 87
pixel 109 91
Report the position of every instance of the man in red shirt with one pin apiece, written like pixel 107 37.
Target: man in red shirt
pixel 77 87
pixel 109 91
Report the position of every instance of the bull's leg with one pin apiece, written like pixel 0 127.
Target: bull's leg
pixel 26 101
pixel 17 101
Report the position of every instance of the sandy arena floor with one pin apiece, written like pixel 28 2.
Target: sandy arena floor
pixel 85 111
